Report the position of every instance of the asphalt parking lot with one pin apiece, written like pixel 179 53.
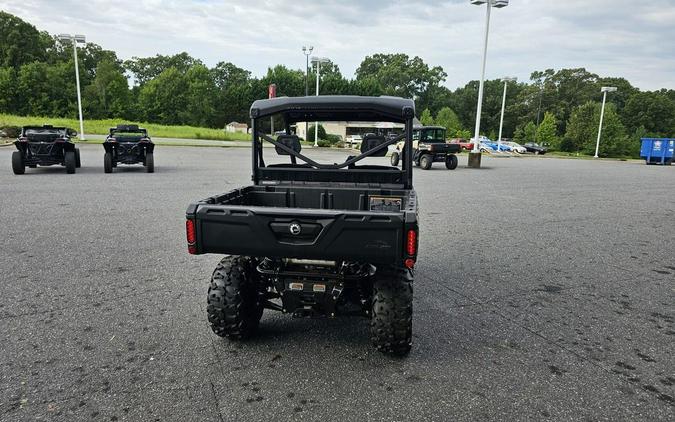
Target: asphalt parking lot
pixel 545 289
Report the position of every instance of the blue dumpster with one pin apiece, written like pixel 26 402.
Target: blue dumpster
pixel 657 150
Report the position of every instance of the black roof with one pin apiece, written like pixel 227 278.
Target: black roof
pixel 430 127
pixel 127 128
pixel 336 108
pixel 44 127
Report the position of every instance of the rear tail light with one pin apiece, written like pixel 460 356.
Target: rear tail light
pixel 411 244
pixel 191 236
pixel 409 263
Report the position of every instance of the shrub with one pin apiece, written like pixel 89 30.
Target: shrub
pixel 310 133
pixel 11 131
pixel 333 139
pixel 324 143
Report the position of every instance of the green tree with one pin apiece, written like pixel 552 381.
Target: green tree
pixel 7 90
pixel 400 75
pixel 582 131
pixel 332 81
pixel 200 97
pixel 289 82
pixel 226 74
pixel 234 95
pixel 654 111
pixel 425 118
pixel 46 90
pixel 145 69
pixel 463 102
pixel 163 100
pixel 447 118
pixel 20 42
pixel 108 95
pixel 547 131
pixel 366 86
pixel 526 133
pixel 310 133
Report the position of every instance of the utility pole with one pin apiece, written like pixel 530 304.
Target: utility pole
pixel 76 39
pixel 307 51
pixel 604 90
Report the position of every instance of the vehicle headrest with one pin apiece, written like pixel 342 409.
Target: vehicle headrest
pixel 123 128
pixel 290 141
pixel 371 141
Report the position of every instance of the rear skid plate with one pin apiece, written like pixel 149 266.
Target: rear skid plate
pixel 306 298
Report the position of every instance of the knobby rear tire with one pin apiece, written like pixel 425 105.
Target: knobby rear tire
pixel 150 162
pixel 451 162
pixel 426 162
pixel 395 157
pixel 392 310
pixel 234 305
pixel 70 160
pixel 107 162
pixel 18 166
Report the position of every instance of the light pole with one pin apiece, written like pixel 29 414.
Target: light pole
pixel 474 156
pixel 307 51
pixel 318 61
pixel 506 81
pixel 604 90
pixel 541 92
pixel 76 39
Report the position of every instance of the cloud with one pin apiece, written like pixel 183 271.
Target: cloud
pixel 624 38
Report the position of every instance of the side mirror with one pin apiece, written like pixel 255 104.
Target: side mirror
pixel 72 132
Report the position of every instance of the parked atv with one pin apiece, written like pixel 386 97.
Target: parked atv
pixel 45 146
pixel 429 146
pixel 312 239
pixel 128 144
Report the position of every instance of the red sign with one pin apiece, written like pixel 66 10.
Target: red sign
pixel 272 91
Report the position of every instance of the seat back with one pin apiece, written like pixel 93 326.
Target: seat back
pixel 371 141
pixel 289 141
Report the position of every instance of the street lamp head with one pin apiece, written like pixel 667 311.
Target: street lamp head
pixel 509 79
pixel 73 38
pixel 609 89
pixel 321 60
pixel 494 3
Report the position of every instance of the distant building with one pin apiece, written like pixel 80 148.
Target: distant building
pixel 236 127
pixel 345 129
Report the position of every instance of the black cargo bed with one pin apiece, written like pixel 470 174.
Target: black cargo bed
pixel 350 223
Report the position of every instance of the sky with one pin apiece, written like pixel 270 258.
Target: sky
pixel 634 39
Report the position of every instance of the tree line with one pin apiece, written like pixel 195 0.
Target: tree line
pixel 557 107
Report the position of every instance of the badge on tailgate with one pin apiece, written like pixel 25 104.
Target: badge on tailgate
pixel 295 231
pixel 385 203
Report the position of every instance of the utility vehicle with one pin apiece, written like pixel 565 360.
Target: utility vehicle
pixel 45 146
pixel 429 146
pixel 311 239
pixel 128 144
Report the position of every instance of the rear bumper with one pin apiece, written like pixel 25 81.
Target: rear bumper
pixel 373 237
pixel 43 160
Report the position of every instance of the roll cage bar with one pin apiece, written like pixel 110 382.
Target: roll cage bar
pixel 333 108
pixel 347 163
